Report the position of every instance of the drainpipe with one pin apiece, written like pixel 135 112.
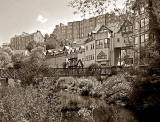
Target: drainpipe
pixel 111 48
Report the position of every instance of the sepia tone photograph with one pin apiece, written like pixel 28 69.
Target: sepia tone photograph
pixel 79 60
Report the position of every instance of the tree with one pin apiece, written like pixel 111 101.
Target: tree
pixel 51 43
pixel 8 50
pixel 16 60
pixel 31 45
pixel 4 59
pixel 97 7
pixel 32 67
pixel 46 36
pixel 145 97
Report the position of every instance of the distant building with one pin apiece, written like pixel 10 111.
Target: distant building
pixel 5 45
pixel 70 31
pixel 20 42
pixel 78 30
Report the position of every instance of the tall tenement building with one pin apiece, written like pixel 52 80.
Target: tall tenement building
pixel 20 42
pixel 141 31
pixel 78 30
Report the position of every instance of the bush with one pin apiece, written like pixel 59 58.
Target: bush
pixel 31 104
pixel 145 97
pixel 93 69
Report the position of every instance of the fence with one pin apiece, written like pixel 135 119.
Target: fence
pixel 66 72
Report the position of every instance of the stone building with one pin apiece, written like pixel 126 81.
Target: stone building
pixel 70 31
pixel 78 30
pixel 20 42
pixel 123 44
pixel 141 31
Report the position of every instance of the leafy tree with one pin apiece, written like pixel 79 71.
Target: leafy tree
pixel 8 50
pixel 51 43
pixel 94 70
pixel 146 94
pixel 32 67
pixel 98 7
pixel 4 59
pixel 32 104
pixel 17 59
pixel 31 45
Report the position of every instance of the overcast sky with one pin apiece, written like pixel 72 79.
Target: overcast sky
pixel 17 16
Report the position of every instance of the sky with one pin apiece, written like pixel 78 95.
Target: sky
pixel 17 16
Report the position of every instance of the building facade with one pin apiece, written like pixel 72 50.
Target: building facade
pixel 97 47
pixel 78 30
pixel 20 42
pixel 142 32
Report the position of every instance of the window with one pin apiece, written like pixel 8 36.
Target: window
pixel 118 40
pixel 106 43
pixel 136 13
pixel 142 10
pixel 99 44
pixel 82 34
pixel 125 39
pixel 130 28
pixel 146 37
pixel 142 23
pixel 127 29
pixel 136 40
pixel 93 46
pixel 146 21
pixel 86 48
pixel 142 38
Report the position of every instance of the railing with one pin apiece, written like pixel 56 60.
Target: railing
pixel 66 72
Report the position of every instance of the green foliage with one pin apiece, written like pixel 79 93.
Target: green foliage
pixel 99 7
pixel 17 59
pixel 32 67
pixel 32 104
pixel 4 59
pixel 93 69
pixel 146 93
pixel 31 45
pixel 51 42
pixel 7 50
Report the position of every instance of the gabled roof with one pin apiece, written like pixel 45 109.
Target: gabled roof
pixel 88 40
pixel 123 24
pixel 96 29
pixel 99 27
pixel 79 63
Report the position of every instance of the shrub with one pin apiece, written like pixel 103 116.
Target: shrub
pixel 31 104
pixel 145 97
